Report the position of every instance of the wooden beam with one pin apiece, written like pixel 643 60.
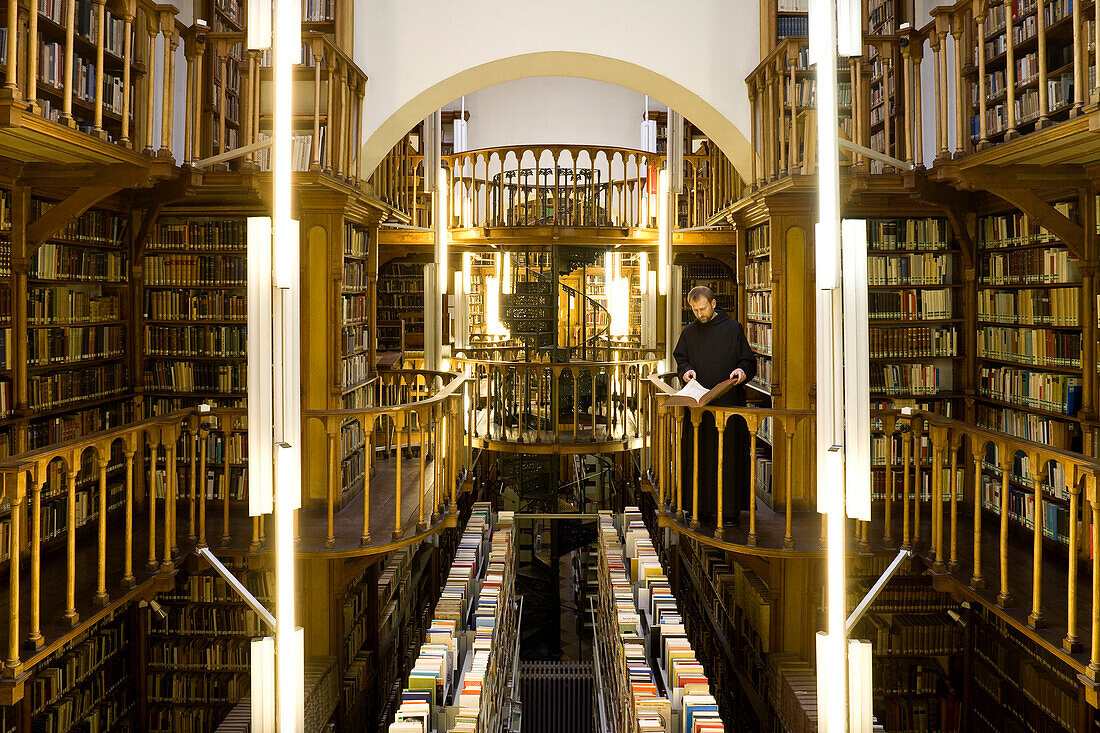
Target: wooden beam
pixel 76 204
pixel 148 219
pixel 1050 218
pixel 988 177
pixel 122 175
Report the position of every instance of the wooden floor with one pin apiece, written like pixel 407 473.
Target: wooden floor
pixel 348 523
pixel 1054 588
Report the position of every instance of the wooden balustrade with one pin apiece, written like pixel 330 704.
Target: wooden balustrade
pixel 511 352
pixel 944 486
pixel 49 71
pixel 423 404
pixel 977 99
pixel 398 180
pixel 150 471
pixel 711 183
pixel 553 185
pixel 328 107
pixel 543 406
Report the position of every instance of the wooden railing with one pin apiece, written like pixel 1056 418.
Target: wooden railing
pixel 711 183
pixel 398 180
pixel 531 403
pixel 553 185
pixel 511 352
pixel 120 101
pixel 328 108
pixel 423 404
pixel 975 102
pixel 164 511
pixel 969 472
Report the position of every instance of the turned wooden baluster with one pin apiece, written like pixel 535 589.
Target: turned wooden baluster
pixel 171 42
pixel 1080 61
pixel 151 564
pixel 35 639
pixel 1035 618
pixel 101 596
pixel 1093 670
pixel 67 80
pixel 222 59
pixel 11 79
pixel 935 483
pixel 1044 100
pixel 332 430
pixel 753 426
pixel 127 10
pixel 399 425
pixel 369 425
pixel 16 492
pixel 192 444
pixel 1010 77
pixel 916 54
pixel 754 106
pixel 128 451
pixel 99 9
pixel 152 30
pixel 888 426
pixel 1004 598
pixel 907 472
pixel 789 426
pixel 977 454
pixel 1071 643
pixel 71 617
pixel 227 434
pixel 983 126
pixel 962 98
pixel 315 144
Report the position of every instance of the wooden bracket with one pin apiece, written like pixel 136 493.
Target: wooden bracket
pixel 1029 202
pixel 58 216
pixel 141 236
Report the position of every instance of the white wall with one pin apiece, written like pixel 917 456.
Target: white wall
pixel 554 110
pixel 692 55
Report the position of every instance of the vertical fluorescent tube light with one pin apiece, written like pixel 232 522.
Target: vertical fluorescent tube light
pixel 442 228
pixel 861 694
pixel 262 665
pixel 849 31
pixel 857 389
pixel 287 49
pixel 506 284
pixel 259 25
pixel 258 376
pixel 832 670
pixel 664 234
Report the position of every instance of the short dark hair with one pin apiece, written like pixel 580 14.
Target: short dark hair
pixel 700 292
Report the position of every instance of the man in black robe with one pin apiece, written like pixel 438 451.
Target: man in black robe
pixel 712 349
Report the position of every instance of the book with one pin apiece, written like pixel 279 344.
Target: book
pixel 694 394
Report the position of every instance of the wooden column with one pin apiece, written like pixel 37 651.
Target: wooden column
pixel 35 639
pixel 101 596
pixel 1044 100
pixel 100 11
pixel 1088 313
pixel 128 560
pixel 1080 61
pixel 983 127
pixel 908 120
pixel 753 109
pixel 170 480
pixel 1010 78
pixel 916 53
pixel 1035 618
pixel 152 29
pixel 937 41
pixel 16 485
pixel 71 617
pixel 962 99
pixel 67 80
pixel 222 59
pixel 171 42
pixel 976 454
pixel 11 80
pixel 151 564
pixel 1004 598
pixel 782 116
pixel 127 61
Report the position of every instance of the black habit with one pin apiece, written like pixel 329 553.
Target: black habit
pixel 714 349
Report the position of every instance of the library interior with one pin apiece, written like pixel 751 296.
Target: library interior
pixel 425 270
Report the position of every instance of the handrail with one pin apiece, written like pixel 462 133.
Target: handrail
pixel 192 441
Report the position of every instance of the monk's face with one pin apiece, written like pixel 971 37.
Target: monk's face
pixel 703 309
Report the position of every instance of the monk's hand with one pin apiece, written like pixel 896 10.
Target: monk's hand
pixel 689 375
pixel 738 375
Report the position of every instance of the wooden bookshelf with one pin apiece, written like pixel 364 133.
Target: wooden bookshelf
pixel 918 653
pixel 197 664
pixel 401 298
pixel 1029 290
pixel 194 304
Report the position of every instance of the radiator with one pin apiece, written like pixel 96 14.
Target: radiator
pixel 557 697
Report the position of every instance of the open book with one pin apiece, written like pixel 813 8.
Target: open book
pixel 694 394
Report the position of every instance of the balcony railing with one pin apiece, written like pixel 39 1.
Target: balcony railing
pixel 100 82
pixel 159 513
pixel 553 185
pixel 542 407
pixel 327 114
pixel 924 505
pixel 1000 85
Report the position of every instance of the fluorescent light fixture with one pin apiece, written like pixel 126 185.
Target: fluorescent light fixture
pixel 467 275
pixel 262 667
pixel 506 284
pixel 849 28
pixel 608 278
pixel 643 272
pixel 287 252
pixel 620 305
pixel 290 430
pixel 442 228
pixel 664 233
pixel 459 289
pixel 258 375
pixel 860 692
pixel 857 388
pixel 259 25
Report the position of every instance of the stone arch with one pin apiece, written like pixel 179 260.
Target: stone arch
pixel 704 113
